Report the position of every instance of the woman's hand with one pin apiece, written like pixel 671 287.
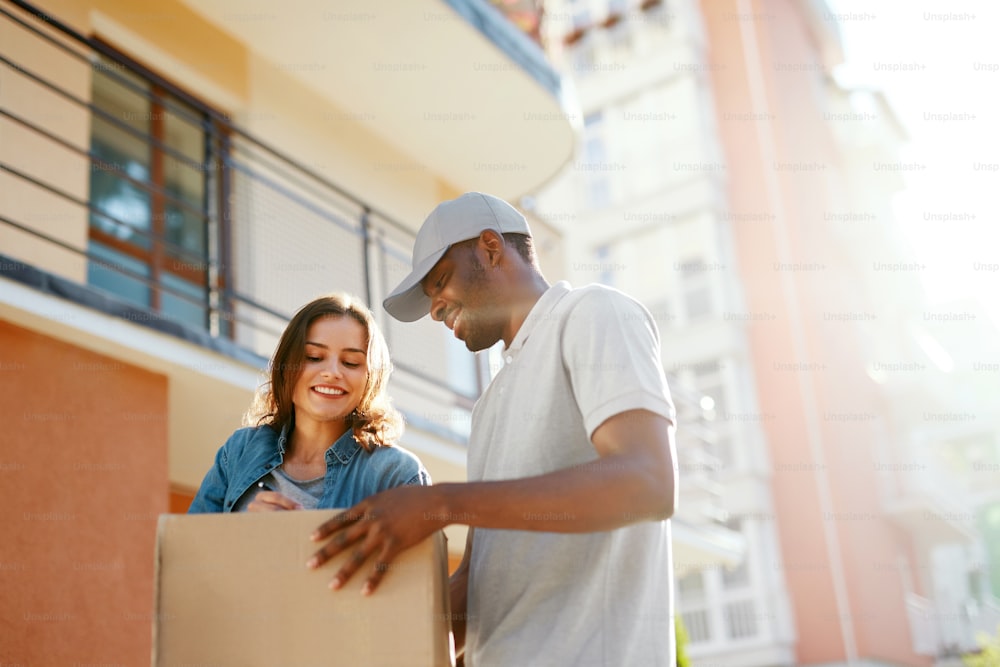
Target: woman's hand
pixel 272 501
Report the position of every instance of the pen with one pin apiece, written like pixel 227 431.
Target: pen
pixel 264 487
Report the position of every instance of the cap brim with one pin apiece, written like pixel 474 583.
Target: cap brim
pixel 408 303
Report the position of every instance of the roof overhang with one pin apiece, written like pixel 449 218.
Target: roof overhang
pixel 699 547
pixel 454 86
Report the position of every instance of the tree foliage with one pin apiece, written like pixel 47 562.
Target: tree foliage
pixel 989 652
pixel 680 632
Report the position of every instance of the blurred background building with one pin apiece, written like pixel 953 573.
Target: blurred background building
pixel 177 179
pixel 726 179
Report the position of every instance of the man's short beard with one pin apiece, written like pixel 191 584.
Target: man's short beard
pixel 485 312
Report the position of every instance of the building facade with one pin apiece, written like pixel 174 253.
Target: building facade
pixel 727 180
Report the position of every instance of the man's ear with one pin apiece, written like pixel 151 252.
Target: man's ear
pixel 493 245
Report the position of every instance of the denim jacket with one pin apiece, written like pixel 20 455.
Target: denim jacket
pixel 352 474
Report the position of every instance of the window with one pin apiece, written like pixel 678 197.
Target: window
pixel 739 576
pixel 693 607
pixel 662 312
pixel 620 35
pixel 741 620
pixel 707 380
pixel 597 188
pixel 607 272
pixel 698 625
pixel 691 586
pixel 697 288
pixel 580 12
pixel 156 217
pixel 619 7
pixel 657 14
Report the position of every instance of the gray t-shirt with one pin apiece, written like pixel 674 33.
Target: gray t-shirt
pixel 305 492
pixel 553 599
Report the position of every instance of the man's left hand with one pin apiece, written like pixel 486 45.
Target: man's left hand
pixel 385 525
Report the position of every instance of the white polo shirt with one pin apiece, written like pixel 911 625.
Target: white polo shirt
pixel 593 599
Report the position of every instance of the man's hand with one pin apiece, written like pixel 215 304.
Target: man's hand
pixel 633 480
pixel 383 525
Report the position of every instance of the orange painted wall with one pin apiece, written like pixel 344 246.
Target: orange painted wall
pixel 83 468
pixel 181 499
pixel 869 545
pixel 807 570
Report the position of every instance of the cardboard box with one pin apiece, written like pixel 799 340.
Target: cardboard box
pixel 233 589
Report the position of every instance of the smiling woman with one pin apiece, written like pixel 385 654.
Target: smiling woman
pixel 333 374
pixel 321 432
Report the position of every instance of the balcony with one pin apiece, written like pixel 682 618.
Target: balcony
pixel 919 497
pixel 700 540
pixel 455 85
pixel 947 633
pixel 141 223
pixel 699 546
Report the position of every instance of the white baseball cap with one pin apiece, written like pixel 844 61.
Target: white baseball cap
pixel 449 223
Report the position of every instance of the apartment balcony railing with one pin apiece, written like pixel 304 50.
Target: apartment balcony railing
pixel 125 192
pixel 923 630
pixel 948 633
pixel 919 494
pixel 699 463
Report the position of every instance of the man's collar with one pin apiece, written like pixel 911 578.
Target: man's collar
pixel 540 311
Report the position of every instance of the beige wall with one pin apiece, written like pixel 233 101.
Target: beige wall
pixel 30 153
pixel 83 465
pixel 178 44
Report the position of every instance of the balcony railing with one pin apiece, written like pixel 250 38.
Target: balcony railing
pixel 917 489
pixel 173 215
pixel 949 632
pixel 924 632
